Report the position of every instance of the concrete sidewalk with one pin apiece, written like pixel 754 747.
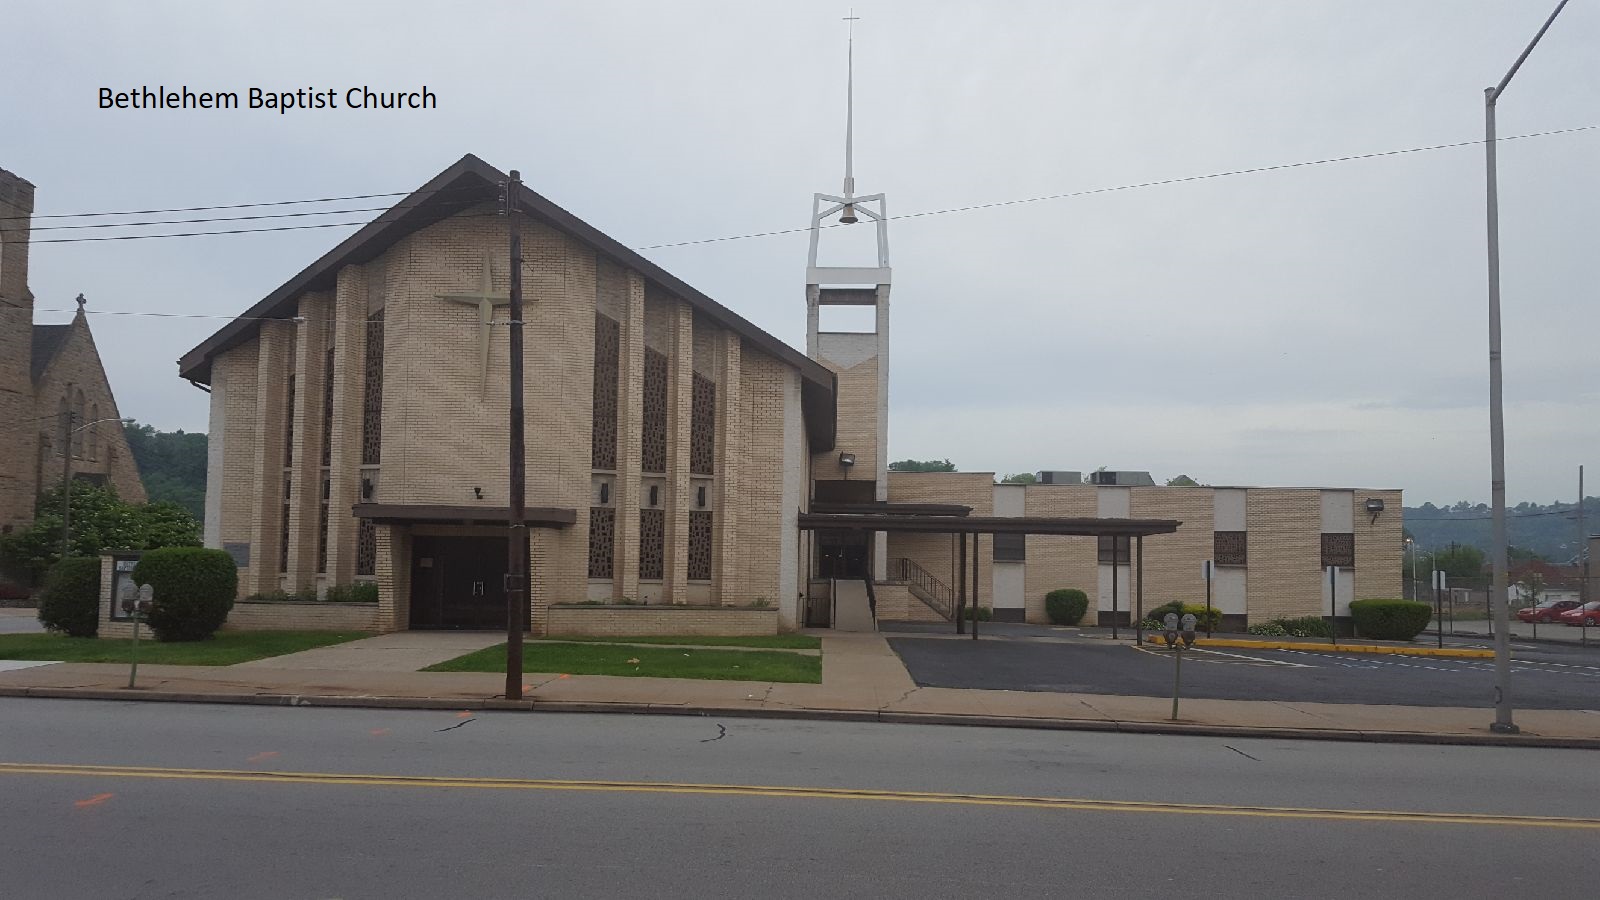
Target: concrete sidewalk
pixel 862 680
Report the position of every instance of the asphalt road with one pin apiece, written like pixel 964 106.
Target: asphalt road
pixel 196 802
pixel 1544 677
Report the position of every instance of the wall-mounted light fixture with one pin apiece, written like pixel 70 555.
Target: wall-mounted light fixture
pixel 477 492
pixel 1374 506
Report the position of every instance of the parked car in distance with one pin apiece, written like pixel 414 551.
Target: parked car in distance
pixel 1587 614
pixel 1546 612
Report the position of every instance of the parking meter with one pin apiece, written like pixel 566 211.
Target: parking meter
pixel 128 596
pixel 136 604
pixel 1188 629
pixel 1170 622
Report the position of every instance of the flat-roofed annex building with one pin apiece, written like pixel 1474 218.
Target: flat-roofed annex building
pixel 359 423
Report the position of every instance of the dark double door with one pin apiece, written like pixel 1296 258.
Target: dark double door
pixel 458 582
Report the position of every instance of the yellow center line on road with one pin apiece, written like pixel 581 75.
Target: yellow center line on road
pixel 538 784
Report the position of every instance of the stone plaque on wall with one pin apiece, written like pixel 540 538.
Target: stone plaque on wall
pixel 240 551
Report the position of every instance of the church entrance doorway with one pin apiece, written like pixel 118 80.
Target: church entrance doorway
pixel 458 582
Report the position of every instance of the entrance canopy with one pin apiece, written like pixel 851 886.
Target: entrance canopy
pixel 412 514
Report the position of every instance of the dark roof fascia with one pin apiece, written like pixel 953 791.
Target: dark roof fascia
pixel 417 211
pixel 407 514
pixel 1082 527
pixel 889 508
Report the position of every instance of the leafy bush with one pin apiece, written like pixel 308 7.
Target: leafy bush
pixel 70 602
pixel 1305 626
pixel 100 521
pixel 1198 610
pixel 281 597
pixel 1268 629
pixel 984 614
pixel 1150 625
pixel 1066 606
pixel 1390 620
pixel 194 590
pixel 356 592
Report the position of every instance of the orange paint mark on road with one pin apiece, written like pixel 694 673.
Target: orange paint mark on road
pixel 464 714
pixel 565 676
pixel 96 800
pixel 262 756
pixel 380 732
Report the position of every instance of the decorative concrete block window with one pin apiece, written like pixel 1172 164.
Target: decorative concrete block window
pixel 1229 548
pixel 653 434
pixel 703 426
pixel 1339 550
pixel 652 539
pixel 288 419
pixel 322 524
pixel 366 530
pixel 327 406
pixel 283 525
pixel 602 527
pixel 607 353
pixel 699 545
pixel 372 393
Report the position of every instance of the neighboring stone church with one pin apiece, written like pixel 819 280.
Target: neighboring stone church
pixel 687 471
pixel 54 396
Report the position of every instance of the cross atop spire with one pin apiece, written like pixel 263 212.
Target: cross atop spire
pixel 81 303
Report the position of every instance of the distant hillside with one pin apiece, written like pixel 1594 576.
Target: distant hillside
pixel 172 465
pixel 1548 530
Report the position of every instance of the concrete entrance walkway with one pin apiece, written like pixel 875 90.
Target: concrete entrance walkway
pixel 402 651
pixel 852 608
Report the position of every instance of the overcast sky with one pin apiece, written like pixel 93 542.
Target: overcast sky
pixel 1318 326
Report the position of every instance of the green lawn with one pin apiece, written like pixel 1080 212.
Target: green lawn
pixel 767 641
pixel 652 662
pixel 223 649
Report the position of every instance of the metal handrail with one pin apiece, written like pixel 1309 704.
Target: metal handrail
pixel 925 586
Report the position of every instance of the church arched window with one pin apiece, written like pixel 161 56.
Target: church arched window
pixel 77 422
pixel 94 431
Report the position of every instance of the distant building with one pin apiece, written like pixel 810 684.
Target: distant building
pixel 54 396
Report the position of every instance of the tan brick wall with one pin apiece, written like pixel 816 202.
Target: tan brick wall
pixel 102 450
pixel 17 485
pixel 1380 547
pixel 1284 541
pixel 934 551
pixel 305 504
pixel 1172 562
pixel 896 604
pixel 1056 562
pixel 754 533
pixel 350 315
pixel 857 423
pixel 680 393
pixel 234 373
pixel 637 621
pixel 292 616
pixel 274 353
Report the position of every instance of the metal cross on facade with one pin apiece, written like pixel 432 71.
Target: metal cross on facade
pixel 485 299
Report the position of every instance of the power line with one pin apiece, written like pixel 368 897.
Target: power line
pixel 291 215
pixel 151 212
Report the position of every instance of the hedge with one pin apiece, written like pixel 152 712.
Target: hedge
pixel 194 591
pixel 984 614
pixel 1066 606
pixel 1198 610
pixel 70 602
pixel 1390 620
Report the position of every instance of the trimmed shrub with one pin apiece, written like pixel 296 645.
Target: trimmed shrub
pixel 1149 625
pixel 1198 610
pixel 1066 606
pixel 355 592
pixel 1390 620
pixel 70 602
pixel 194 591
pixel 984 614
pixel 1268 629
pixel 1305 626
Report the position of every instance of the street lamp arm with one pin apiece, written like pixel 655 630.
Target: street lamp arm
pixel 98 421
pixel 1495 92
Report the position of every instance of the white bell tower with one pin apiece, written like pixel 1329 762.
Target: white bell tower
pixel 860 359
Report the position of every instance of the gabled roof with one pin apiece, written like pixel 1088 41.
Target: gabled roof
pixel 47 342
pixel 471 181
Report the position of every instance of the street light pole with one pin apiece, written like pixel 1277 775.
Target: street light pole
pixel 66 476
pixel 1497 437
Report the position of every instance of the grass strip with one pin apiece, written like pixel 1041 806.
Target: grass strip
pixel 223 649
pixel 770 641
pixel 645 662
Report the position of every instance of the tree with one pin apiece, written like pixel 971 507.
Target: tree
pixel 1020 478
pixel 1183 481
pixel 1523 554
pixel 1456 561
pixel 100 521
pixel 922 465
pixel 172 465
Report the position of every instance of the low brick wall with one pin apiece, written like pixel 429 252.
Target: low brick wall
pixel 897 604
pixel 301 615
pixel 628 621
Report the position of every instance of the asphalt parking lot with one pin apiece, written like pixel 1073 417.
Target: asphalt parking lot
pixel 1543 677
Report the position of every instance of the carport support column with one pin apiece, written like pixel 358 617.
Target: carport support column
pixel 961 587
pixel 1138 590
pixel 975 544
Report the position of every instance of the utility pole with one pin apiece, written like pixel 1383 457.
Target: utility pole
pixel 1497 432
pixel 517 535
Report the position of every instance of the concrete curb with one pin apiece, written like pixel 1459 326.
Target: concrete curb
pixel 1456 652
pixel 1486 739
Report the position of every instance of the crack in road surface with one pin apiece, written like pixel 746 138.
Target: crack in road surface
pixel 722 732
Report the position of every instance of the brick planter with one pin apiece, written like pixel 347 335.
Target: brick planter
pixel 628 621
pixel 301 615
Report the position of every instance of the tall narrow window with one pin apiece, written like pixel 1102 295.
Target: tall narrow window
pixel 322 525
pixel 327 407
pixel 602 540
pixel 607 353
pixel 653 437
pixel 652 534
pixel 699 545
pixel 366 547
pixel 288 418
pixel 283 526
pixel 372 393
pixel 703 426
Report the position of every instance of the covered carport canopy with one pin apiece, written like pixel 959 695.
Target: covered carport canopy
pixel 899 518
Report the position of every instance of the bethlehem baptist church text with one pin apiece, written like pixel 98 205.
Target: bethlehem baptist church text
pixel 256 98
